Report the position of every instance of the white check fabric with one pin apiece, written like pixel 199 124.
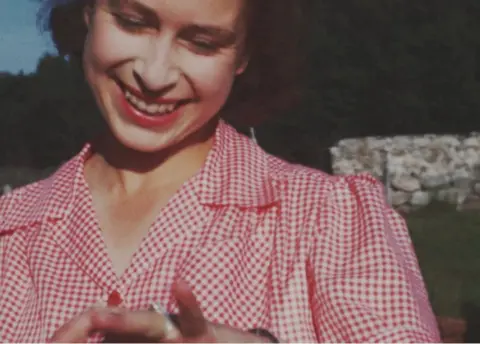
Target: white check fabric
pixel 263 243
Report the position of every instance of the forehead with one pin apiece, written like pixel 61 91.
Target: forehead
pixel 219 12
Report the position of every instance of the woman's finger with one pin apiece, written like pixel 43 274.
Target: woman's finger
pixel 191 322
pixel 77 330
pixel 147 324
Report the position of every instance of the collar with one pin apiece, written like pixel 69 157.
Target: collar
pixel 50 199
pixel 235 173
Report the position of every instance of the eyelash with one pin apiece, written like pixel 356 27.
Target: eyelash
pixel 128 23
pixel 202 46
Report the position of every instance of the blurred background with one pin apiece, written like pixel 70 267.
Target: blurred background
pixel 392 88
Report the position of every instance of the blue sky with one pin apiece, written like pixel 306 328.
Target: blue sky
pixel 21 44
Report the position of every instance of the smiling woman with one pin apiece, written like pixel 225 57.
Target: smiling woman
pixel 172 226
pixel 276 50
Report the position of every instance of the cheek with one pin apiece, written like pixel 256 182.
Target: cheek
pixel 213 77
pixel 107 46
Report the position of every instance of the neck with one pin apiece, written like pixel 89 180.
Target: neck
pixel 126 171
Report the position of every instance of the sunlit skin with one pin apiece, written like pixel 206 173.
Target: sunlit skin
pixel 171 49
pixel 142 58
pixel 164 52
pixel 188 51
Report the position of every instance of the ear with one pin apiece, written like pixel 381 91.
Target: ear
pixel 242 65
pixel 87 15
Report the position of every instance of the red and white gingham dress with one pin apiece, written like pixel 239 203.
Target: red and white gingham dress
pixel 262 242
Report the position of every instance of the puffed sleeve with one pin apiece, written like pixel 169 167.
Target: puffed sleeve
pixel 366 284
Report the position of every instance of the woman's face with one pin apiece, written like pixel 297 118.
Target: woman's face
pixel 161 69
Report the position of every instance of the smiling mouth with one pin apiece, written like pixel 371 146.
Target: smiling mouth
pixel 152 109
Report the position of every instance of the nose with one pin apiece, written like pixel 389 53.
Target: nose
pixel 155 68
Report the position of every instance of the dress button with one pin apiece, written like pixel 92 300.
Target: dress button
pixel 114 299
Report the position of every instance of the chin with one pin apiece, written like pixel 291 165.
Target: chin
pixel 143 145
pixel 138 140
pixel 145 148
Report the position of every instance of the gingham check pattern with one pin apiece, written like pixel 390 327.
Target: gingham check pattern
pixel 263 243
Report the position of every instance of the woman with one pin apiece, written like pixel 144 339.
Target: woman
pixel 173 208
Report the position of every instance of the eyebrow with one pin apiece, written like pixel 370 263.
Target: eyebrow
pixel 134 5
pixel 228 36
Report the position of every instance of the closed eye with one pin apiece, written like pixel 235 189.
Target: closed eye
pixel 204 45
pixel 208 39
pixel 130 23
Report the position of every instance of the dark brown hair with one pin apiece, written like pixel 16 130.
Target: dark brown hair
pixel 275 32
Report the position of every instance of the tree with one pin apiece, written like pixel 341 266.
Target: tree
pixel 376 67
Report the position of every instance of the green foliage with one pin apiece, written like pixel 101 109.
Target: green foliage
pixel 386 67
pixel 47 115
pixel 398 66
pixel 375 67
pixel 447 244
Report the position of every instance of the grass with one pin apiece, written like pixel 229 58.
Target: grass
pixel 447 244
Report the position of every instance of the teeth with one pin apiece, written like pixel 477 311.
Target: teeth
pixel 151 109
pixel 142 105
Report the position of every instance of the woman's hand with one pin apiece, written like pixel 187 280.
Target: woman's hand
pixel 153 326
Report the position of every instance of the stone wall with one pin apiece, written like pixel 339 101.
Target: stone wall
pixel 415 169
